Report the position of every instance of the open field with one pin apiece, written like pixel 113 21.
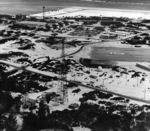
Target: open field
pixel 121 54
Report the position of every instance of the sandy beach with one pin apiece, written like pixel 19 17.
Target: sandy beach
pixel 88 11
pixel 32 7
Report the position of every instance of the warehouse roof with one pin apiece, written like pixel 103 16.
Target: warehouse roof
pixel 32 23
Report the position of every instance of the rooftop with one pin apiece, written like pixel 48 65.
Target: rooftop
pixel 32 23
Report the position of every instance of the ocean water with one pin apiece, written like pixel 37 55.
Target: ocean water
pixel 35 6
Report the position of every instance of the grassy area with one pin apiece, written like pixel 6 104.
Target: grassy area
pixel 121 54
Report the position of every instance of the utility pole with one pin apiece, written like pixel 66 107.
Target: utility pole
pixel 137 81
pixel 64 88
pixel 25 93
pixel 145 94
pixel 74 76
pixel 84 52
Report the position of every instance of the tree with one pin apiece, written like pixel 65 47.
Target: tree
pixel 6 101
pixel 60 24
pixel 49 96
pixel 43 113
pixel 66 23
pixel 14 122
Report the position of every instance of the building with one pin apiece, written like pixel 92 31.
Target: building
pixel 32 23
pixel 28 103
pixel 96 63
pixel 144 66
pixel 109 23
pixel 108 36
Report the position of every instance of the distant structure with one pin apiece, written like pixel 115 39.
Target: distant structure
pixel 96 63
pixel 32 24
pixel 43 12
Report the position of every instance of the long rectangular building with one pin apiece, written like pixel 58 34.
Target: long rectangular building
pixel 32 23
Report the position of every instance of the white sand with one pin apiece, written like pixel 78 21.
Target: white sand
pixel 81 129
pixel 41 50
pixel 87 11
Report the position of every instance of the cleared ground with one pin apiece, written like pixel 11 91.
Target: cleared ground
pixel 120 54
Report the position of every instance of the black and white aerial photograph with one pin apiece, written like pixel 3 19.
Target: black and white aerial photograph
pixel 74 65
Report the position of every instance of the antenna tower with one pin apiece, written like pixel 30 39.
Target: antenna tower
pixel 43 12
pixel 62 89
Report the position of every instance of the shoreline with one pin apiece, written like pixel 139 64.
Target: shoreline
pixel 112 9
pixel 27 8
pixel 91 11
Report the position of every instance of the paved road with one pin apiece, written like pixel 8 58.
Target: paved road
pixel 131 36
pixel 49 74
pixel 22 67
pixel 68 54
pixel 68 36
pixel 111 92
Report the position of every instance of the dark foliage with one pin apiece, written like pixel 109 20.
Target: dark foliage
pixel 93 96
pixel 6 101
pixel 118 99
pixel 76 91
